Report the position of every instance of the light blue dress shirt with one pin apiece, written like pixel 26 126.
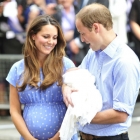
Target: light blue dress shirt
pixel 117 73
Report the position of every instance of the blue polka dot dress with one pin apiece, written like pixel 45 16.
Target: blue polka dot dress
pixel 43 110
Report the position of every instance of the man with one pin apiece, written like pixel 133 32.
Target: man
pixel 117 72
pixel 79 49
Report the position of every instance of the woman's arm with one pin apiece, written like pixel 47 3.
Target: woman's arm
pixel 69 35
pixel 15 111
pixel 135 28
pixel 32 16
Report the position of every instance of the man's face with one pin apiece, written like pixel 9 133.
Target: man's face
pixel 87 36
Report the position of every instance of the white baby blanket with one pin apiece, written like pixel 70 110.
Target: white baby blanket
pixel 87 102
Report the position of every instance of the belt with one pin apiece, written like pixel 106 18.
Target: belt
pixel 92 137
pixel 88 136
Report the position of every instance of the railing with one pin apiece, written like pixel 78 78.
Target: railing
pixel 6 61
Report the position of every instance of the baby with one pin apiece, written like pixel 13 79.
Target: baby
pixel 87 101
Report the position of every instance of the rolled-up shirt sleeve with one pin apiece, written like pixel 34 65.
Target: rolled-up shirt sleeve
pixel 126 86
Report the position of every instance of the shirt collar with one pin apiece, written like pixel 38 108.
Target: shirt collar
pixel 110 50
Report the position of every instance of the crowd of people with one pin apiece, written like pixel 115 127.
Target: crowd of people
pixel 64 34
pixel 16 16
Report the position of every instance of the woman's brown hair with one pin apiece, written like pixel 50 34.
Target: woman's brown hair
pixel 53 64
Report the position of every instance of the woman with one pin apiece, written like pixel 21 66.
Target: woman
pixel 36 80
pixel 65 15
pixel 134 19
pixel 36 8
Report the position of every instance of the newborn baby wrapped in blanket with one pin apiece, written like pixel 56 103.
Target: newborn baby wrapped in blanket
pixel 87 101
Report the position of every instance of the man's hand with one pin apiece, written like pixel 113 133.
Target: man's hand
pixel 67 91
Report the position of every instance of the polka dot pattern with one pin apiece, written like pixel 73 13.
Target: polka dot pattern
pixel 43 110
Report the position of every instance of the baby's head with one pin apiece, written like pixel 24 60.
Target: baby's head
pixel 68 77
pixel 76 77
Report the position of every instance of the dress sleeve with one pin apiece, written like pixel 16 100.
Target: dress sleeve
pixel 12 76
pixel 15 73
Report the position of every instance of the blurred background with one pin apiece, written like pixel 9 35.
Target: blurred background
pixel 15 18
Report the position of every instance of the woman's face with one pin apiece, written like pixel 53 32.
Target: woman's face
pixel 45 40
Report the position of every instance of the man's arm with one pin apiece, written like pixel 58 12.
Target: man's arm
pixel 110 116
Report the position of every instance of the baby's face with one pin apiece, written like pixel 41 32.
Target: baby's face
pixel 78 78
pixel 73 78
